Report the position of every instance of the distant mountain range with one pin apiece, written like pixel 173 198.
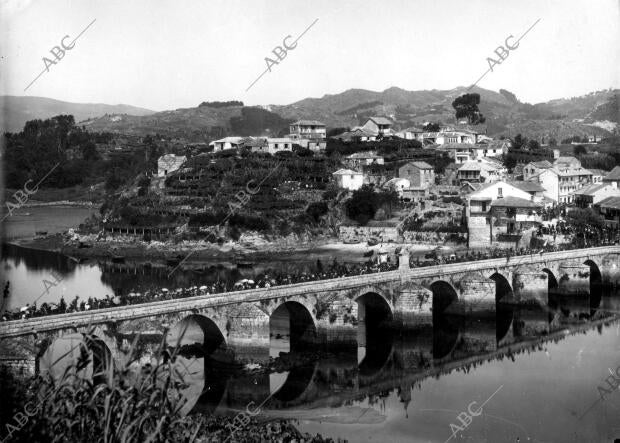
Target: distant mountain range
pixel 16 111
pixel 594 113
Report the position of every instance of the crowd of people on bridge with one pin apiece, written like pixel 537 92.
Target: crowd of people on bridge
pixel 335 270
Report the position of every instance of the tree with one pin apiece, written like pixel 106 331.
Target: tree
pixel 361 207
pixel 519 141
pixel 431 127
pixel 89 152
pixel 387 199
pixel 316 210
pixel 579 150
pixel 533 145
pixel 466 106
pixel 581 219
pixel 553 142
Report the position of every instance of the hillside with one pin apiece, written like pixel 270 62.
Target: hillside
pixel 504 112
pixel 196 124
pixel 18 110
pixel 594 113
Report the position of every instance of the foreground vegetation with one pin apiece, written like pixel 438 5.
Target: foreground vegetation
pixel 93 401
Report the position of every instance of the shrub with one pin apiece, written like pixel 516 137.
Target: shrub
pixel 317 210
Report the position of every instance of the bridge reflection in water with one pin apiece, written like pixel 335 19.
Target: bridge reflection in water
pixel 327 344
pixel 386 359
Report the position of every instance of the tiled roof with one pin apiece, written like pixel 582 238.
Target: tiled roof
pixel 610 202
pixel 527 186
pixel 478 166
pixel 308 123
pixel 380 120
pixel 421 165
pixel 514 202
pixel 346 172
pixel 593 189
pixel 598 172
pixel 228 140
pixel 544 164
pixel 364 155
pixel 614 174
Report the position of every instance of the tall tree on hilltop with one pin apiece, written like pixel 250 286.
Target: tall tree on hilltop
pixel 466 106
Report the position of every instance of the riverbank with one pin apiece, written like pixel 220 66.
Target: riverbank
pixel 194 253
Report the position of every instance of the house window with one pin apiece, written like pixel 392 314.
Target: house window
pixel 499 193
pixel 484 206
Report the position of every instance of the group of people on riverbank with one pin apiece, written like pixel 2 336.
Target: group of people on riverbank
pixel 268 280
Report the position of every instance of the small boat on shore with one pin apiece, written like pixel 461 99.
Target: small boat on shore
pixel 351 242
pixel 373 242
pixel 40 232
pixel 118 259
pixel 244 264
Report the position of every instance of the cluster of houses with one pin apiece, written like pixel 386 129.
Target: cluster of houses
pixel 308 134
pixel 499 208
pixel 503 211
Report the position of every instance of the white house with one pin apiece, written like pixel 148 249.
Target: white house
pixel 410 134
pixel 455 137
pixel 307 129
pixel 270 145
pixel 168 163
pixel 348 179
pixel 357 134
pixel 280 144
pixel 592 194
pixel 550 181
pixel 481 171
pixel 613 177
pixel 378 125
pixel 501 212
pixel 535 168
pixel 363 159
pixel 227 143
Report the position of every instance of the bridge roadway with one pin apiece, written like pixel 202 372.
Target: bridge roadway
pixel 606 258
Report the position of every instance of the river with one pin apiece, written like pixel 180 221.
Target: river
pixel 538 375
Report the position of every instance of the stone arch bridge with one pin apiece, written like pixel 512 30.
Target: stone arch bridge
pixel 337 313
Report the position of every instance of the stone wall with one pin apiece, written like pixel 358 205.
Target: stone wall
pixel 425 237
pixel 364 233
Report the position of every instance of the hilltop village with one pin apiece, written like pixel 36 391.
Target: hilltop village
pixel 373 183
pixel 268 185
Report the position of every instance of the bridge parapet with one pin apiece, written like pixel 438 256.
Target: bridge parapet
pixel 321 288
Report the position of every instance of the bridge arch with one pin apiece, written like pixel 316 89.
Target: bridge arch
pixel 596 284
pixel 291 328
pixel 66 355
pixel 196 335
pixel 552 281
pixel 503 311
pixel 374 331
pixel 445 331
pixel 503 288
pixel 444 295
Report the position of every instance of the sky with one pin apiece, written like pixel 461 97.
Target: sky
pixel 162 54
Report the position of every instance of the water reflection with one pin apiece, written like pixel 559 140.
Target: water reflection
pixel 312 380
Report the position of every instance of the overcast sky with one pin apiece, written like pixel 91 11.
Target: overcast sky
pixel 162 54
